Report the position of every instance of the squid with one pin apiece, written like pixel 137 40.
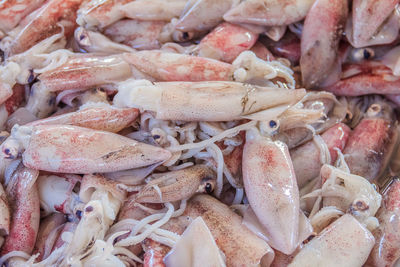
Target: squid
pixel 84 71
pixel 198 242
pixel 178 185
pixel 44 24
pixel 103 200
pixel 369 77
pixel 320 38
pixel 240 246
pixel 271 188
pixel 5 215
pixel 102 117
pixel 56 193
pixel 269 12
pixel 372 142
pixel 12 12
pixel 95 42
pixel 205 101
pixel 73 149
pixel 49 230
pixel 387 246
pixel 24 199
pixel 102 14
pixel 226 42
pixel 203 15
pixel 349 193
pixel 138 34
pixel 367 19
pixel 345 242
pixel 164 66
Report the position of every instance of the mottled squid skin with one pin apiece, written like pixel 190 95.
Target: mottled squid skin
pixel 84 72
pixel 178 185
pixel 387 246
pixel 372 142
pixel 103 118
pixel 164 66
pixel 369 77
pixel 44 24
pixel 24 200
pixel 73 149
pixel 226 42
pixel 271 188
pixel 13 11
pixel 240 246
pixel 320 38
pixel 4 213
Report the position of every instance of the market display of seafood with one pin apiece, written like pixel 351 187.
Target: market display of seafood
pixel 200 133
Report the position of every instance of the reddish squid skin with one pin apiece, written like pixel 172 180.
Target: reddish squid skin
pixel 240 246
pixel 370 146
pixel 101 118
pixel 16 99
pixel 226 42
pixel 10 16
pixel 387 246
pixel 287 47
pixel 262 52
pixel 73 149
pixel 321 34
pixel 154 253
pixel 233 160
pixel 270 182
pixel 86 71
pixel 370 78
pixel 45 24
pixel 306 158
pixel 165 66
pixel 25 220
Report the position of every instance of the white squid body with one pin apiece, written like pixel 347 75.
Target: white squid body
pixel 271 188
pixel 204 101
pixel 56 194
pixel 196 248
pixel 269 12
pixel 203 14
pixel 343 243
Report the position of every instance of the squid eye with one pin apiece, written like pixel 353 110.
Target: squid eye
pixel 273 124
pixel 78 214
pixel 368 53
pixel 185 36
pixel 209 188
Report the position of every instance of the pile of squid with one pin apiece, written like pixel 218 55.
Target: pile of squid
pixel 199 133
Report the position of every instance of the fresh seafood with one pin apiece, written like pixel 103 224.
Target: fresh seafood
pixel 188 133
